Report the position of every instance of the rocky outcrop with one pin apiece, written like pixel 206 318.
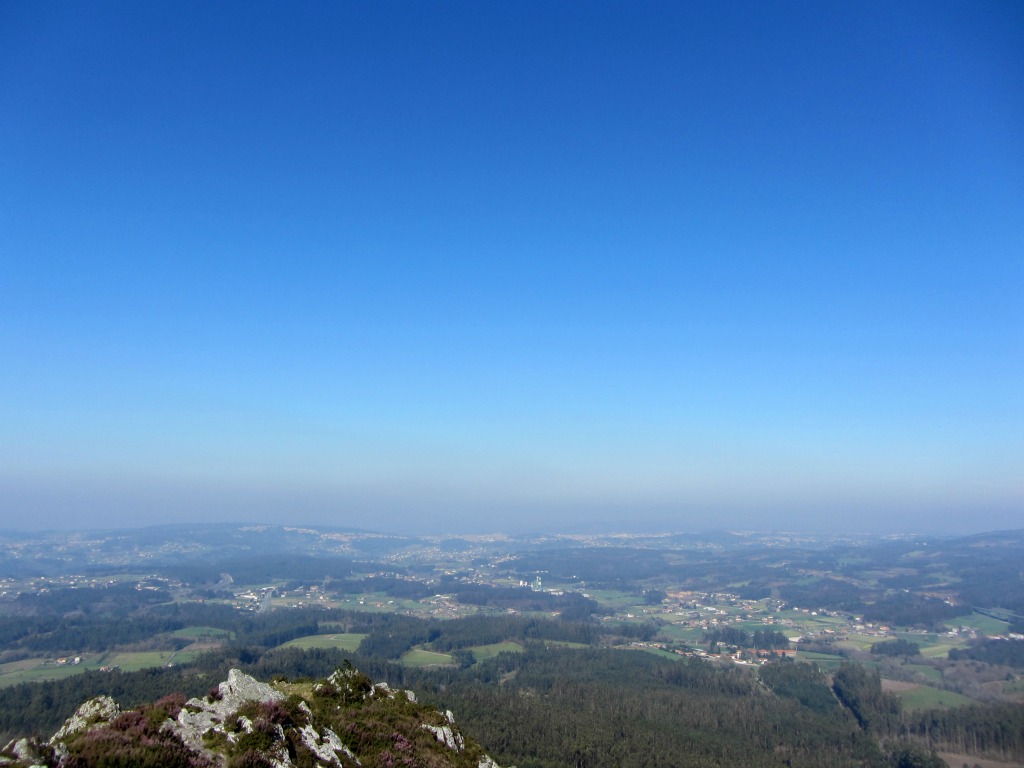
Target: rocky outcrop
pixel 102 709
pixel 345 721
pixel 202 721
pixel 202 716
pixel 326 747
pixel 445 734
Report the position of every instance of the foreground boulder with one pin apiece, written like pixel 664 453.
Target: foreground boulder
pixel 343 721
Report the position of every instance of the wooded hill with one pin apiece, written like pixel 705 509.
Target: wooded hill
pixel 552 706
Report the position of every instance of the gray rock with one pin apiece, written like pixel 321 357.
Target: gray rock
pixel 240 687
pixel 102 709
pixel 22 750
pixel 326 747
pixel 447 736
pixel 25 752
pixel 201 715
pixel 204 717
pixel 96 712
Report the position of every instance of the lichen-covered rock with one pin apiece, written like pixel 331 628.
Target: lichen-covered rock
pixel 199 716
pixel 326 747
pixel 446 736
pixel 26 752
pixel 102 709
pixel 95 713
pixel 241 687
pixel 346 721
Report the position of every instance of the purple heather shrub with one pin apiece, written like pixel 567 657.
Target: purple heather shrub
pixel 401 743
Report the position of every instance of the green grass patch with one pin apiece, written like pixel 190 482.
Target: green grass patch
pixel 917 637
pixel 813 656
pixel 984 624
pixel 923 669
pixel 346 641
pixel 656 651
pixel 133 661
pixel 926 697
pixel 186 656
pixel 826 661
pixel 673 633
pixel 203 633
pixel 1013 687
pixel 38 670
pixel 939 651
pixel 616 600
pixel 752 626
pixel 418 657
pixel 19 666
pixel 42 672
pixel 484 652
pixel 26 670
pixel 859 642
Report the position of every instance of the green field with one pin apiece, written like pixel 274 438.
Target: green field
pixel 19 671
pixel 985 624
pixel 922 669
pixel 656 651
pixel 18 666
pixel 1014 688
pixel 346 641
pixel 39 673
pixel 484 652
pixel 926 697
pixel 133 661
pixel 203 633
pixel 826 661
pixel 674 633
pixel 37 669
pixel 940 650
pixel 859 642
pixel 420 658
pixel 616 600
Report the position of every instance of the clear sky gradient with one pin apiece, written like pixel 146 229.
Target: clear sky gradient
pixel 460 266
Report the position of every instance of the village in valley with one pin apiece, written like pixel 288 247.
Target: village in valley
pixel 741 599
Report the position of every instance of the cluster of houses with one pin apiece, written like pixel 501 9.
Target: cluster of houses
pixel 750 656
pixel 63 660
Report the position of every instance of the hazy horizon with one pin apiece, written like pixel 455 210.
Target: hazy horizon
pixel 474 267
pixel 377 516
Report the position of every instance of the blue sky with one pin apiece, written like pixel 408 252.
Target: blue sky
pixel 513 266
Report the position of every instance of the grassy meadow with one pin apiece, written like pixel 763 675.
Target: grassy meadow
pixel 346 641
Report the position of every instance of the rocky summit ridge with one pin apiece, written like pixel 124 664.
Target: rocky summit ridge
pixel 344 721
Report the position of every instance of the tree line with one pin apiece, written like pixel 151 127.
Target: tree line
pixel 552 706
